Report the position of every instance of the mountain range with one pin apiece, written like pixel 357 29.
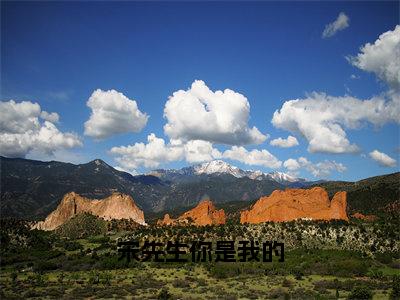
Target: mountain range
pixel 219 167
pixel 31 189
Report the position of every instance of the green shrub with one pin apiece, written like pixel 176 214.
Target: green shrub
pixel 164 294
pixel 105 278
pixel 99 239
pixel 45 265
pixel 224 270
pixel 16 235
pixel 395 294
pixel 385 258
pixel 94 277
pixel 361 292
pixel 298 274
pixel 112 263
pixel 82 226
pixel 14 277
pixel 181 283
pixel 287 283
pixel 72 245
pixel 37 279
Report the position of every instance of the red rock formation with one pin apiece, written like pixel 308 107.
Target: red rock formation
pixel 116 206
pixel 203 214
pixel 293 204
pixel 369 218
pixel 166 221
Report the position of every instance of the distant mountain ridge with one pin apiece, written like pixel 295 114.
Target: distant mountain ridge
pixel 373 195
pixel 219 167
pixel 32 189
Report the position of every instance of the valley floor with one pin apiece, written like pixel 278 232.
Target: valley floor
pixel 187 282
pixel 322 261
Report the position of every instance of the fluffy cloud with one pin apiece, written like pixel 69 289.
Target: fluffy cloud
pixel 321 118
pixel 382 159
pixel 51 117
pixel 157 152
pixel 219 117
pixel 341 22
pixel 149 155
pixel 291 164
pixel 19 117
pixel 199 151
pixel 254 157
pixel 291 141
pixel 382 57
pixel 22 130
pixel 113 113
pixel 320 169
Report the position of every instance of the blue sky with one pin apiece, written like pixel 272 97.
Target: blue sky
pixel 58 54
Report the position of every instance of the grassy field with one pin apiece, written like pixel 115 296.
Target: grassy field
pixel 151 281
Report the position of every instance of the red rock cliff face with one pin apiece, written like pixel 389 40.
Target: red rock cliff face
pixel 293 204
pixel 117 206
pixel 203 214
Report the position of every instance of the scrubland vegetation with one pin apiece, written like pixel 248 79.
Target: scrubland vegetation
pixel 323 260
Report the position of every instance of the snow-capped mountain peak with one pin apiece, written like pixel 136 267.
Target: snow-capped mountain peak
pixel 282 177
pixel 221 167
pixel 217 166
pixel 255 174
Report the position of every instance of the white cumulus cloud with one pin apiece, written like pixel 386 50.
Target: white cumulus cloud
pixel 157 152
pixel 200 151
pixel 321 118
pixel 25 128
pixel 113 113
pixel 51 117
pixel 219 117
pixel 291 141
pixel 254 157
pixel 382 159
pixel 149 155
pixel 341 22
pixel 320 170
pixel 19 117
pixel 291 164
pixel 381 57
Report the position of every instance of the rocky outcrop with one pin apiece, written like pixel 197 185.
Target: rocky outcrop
pixel 166 221
pixel 116 206
pixel 369 218
pixel 292 204
pixel 203 214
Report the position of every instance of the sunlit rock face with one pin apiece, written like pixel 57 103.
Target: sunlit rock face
pixel 116 206
pixel 203 214
pixel 292 204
